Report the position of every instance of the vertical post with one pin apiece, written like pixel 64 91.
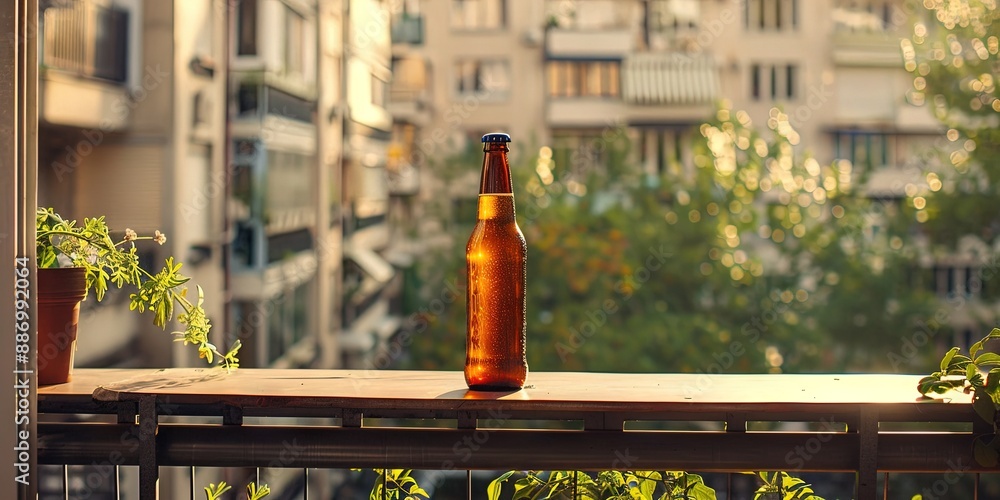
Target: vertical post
pixel 468 420
pixel 18 177
pixel 868 463
pixel 149 474
pixel 735 422
pixel 305 490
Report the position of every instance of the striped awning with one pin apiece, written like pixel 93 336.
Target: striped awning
pixel 672 78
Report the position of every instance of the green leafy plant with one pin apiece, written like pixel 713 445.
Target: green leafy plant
pixel 532 485
pixel 254 492
pixel 783 486
pixel 965 373
pixel 604 485
pixel 64 243
pixel 395 484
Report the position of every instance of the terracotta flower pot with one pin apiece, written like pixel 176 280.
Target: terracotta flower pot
pixel 59 294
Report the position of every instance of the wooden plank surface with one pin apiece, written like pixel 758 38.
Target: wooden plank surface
pixel 556 391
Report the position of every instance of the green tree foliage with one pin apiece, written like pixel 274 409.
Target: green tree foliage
pixel 754 258
pixel 953 57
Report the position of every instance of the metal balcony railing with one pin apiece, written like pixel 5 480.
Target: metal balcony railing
pixel 86 38
pixel 467 430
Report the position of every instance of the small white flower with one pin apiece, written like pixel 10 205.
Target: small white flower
pixel 159 237
pixel 130 234
pixel 64 260
pixel 92 255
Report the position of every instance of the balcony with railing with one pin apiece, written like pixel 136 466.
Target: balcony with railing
pixel 865 37
pixel 867 426
pixel 84 60
pixel 590 29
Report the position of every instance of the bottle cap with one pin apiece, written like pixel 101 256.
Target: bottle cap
pixel 496 137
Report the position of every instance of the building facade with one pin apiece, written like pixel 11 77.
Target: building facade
pixel 254 134
pixel 568 74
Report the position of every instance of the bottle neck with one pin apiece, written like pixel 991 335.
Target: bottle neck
pixel 496 170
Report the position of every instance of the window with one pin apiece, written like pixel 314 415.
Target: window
pixel 590 15
pixel 288 322
pixel 770 15
pixel 864 15
pixel 579 151
pixel 246 28
pixel 295 53
pixel 288 194
pixel 478 14
pixel 482 77
pixel 87 39
pixel 773 81
pixel 865 149
pixel 583 78
pixel 662 150
pixel 956 280
pixel 673 15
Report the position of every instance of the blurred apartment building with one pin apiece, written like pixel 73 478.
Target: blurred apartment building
pixel 561 72
pixel 564 73
pixel 144 104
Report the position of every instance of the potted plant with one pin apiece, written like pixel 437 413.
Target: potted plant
pixel 74 260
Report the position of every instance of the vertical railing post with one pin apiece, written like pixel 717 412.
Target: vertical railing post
pixel 468 420
pixel 149 474
pixel 735 422
pixel 868 451
pixel 18 190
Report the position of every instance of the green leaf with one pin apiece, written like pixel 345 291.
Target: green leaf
pixel 214 491
pixel 994 334
pixel 984 406
pixel 992 386
pixel 523 488
pixel 700 491
pixel 988 359
pixel 985 455
pixel 493 490
pixel 647 484
pixel 946 360
pixel 978 346
pixel 926 384
pixel 970 371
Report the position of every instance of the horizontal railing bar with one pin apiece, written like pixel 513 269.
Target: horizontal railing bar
pixel 326 447
pixel 929 412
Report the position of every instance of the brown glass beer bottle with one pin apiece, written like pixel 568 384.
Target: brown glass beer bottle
pixel 495 260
